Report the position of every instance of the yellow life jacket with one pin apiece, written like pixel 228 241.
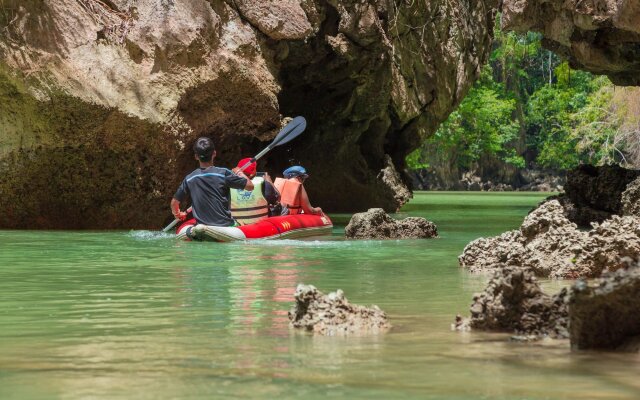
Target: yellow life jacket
pixel 248 207
pixel 290 190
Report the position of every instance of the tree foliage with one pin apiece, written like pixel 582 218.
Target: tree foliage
pixel 530 109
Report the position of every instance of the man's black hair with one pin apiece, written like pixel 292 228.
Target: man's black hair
pixel 204 148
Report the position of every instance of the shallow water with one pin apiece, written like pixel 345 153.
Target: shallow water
pixel 107 315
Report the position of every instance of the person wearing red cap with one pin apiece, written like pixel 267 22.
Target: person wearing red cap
pixel 249 206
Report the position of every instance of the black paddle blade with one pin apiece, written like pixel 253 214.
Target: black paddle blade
pixel 291 131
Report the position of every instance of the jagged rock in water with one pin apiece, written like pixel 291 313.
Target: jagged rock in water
pixel 601 37
pixel 546 242
pixel 606 315
pixel 377 224
pixel 552 246
pixel 483 254
pixel 100 101
pixel 333 315
pixel 514 302
pixel 631 199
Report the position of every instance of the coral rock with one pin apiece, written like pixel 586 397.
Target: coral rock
pixel 333 315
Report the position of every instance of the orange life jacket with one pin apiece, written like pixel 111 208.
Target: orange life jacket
pixel 290 190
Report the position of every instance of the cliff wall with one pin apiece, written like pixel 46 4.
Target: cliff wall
pixel 100 100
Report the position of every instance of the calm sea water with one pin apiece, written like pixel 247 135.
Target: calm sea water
pixel 108 315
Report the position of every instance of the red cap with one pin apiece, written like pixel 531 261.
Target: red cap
pixel 251 169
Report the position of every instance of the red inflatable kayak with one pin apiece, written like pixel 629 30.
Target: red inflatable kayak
pixel 284 227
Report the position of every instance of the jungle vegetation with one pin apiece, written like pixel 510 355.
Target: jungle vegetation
pixel 529 109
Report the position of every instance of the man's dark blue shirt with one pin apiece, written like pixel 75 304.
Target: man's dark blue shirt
pixel 209 192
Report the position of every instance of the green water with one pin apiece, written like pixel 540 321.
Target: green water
pixel 110 315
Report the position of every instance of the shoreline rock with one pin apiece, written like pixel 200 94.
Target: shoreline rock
pixel 594 194
pixel 377 224
pixel 333 315
pixel 530 180
pixel 547 243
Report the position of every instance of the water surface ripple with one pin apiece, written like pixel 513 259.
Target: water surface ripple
pixel 107 315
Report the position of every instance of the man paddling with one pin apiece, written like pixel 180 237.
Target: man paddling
pixel 209 188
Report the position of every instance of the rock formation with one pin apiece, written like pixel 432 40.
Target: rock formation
pixel 546 242
pixel 593 194
pixel 552 246
pixel 101 100
pixel 597 36
pixel 630 199
pixel 514 302
pixel 603 315
pixel 333 315
pixel 606 315
pixel 377 224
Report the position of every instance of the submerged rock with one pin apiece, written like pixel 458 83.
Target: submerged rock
pixel 606 315
pixel 514 302
pixel 377 224
pixel 333 315
pixel 552 246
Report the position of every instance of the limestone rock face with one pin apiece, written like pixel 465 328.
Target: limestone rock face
pixel 101 100
pixel 514 302
pixel 598 36
pixel 606 315
pixel 333 315
pixel 377 224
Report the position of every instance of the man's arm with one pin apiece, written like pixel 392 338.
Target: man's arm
pixel 175 210
pixel 181 193
pixel 247 186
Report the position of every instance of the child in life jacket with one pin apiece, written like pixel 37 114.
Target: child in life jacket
pixel 293 196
